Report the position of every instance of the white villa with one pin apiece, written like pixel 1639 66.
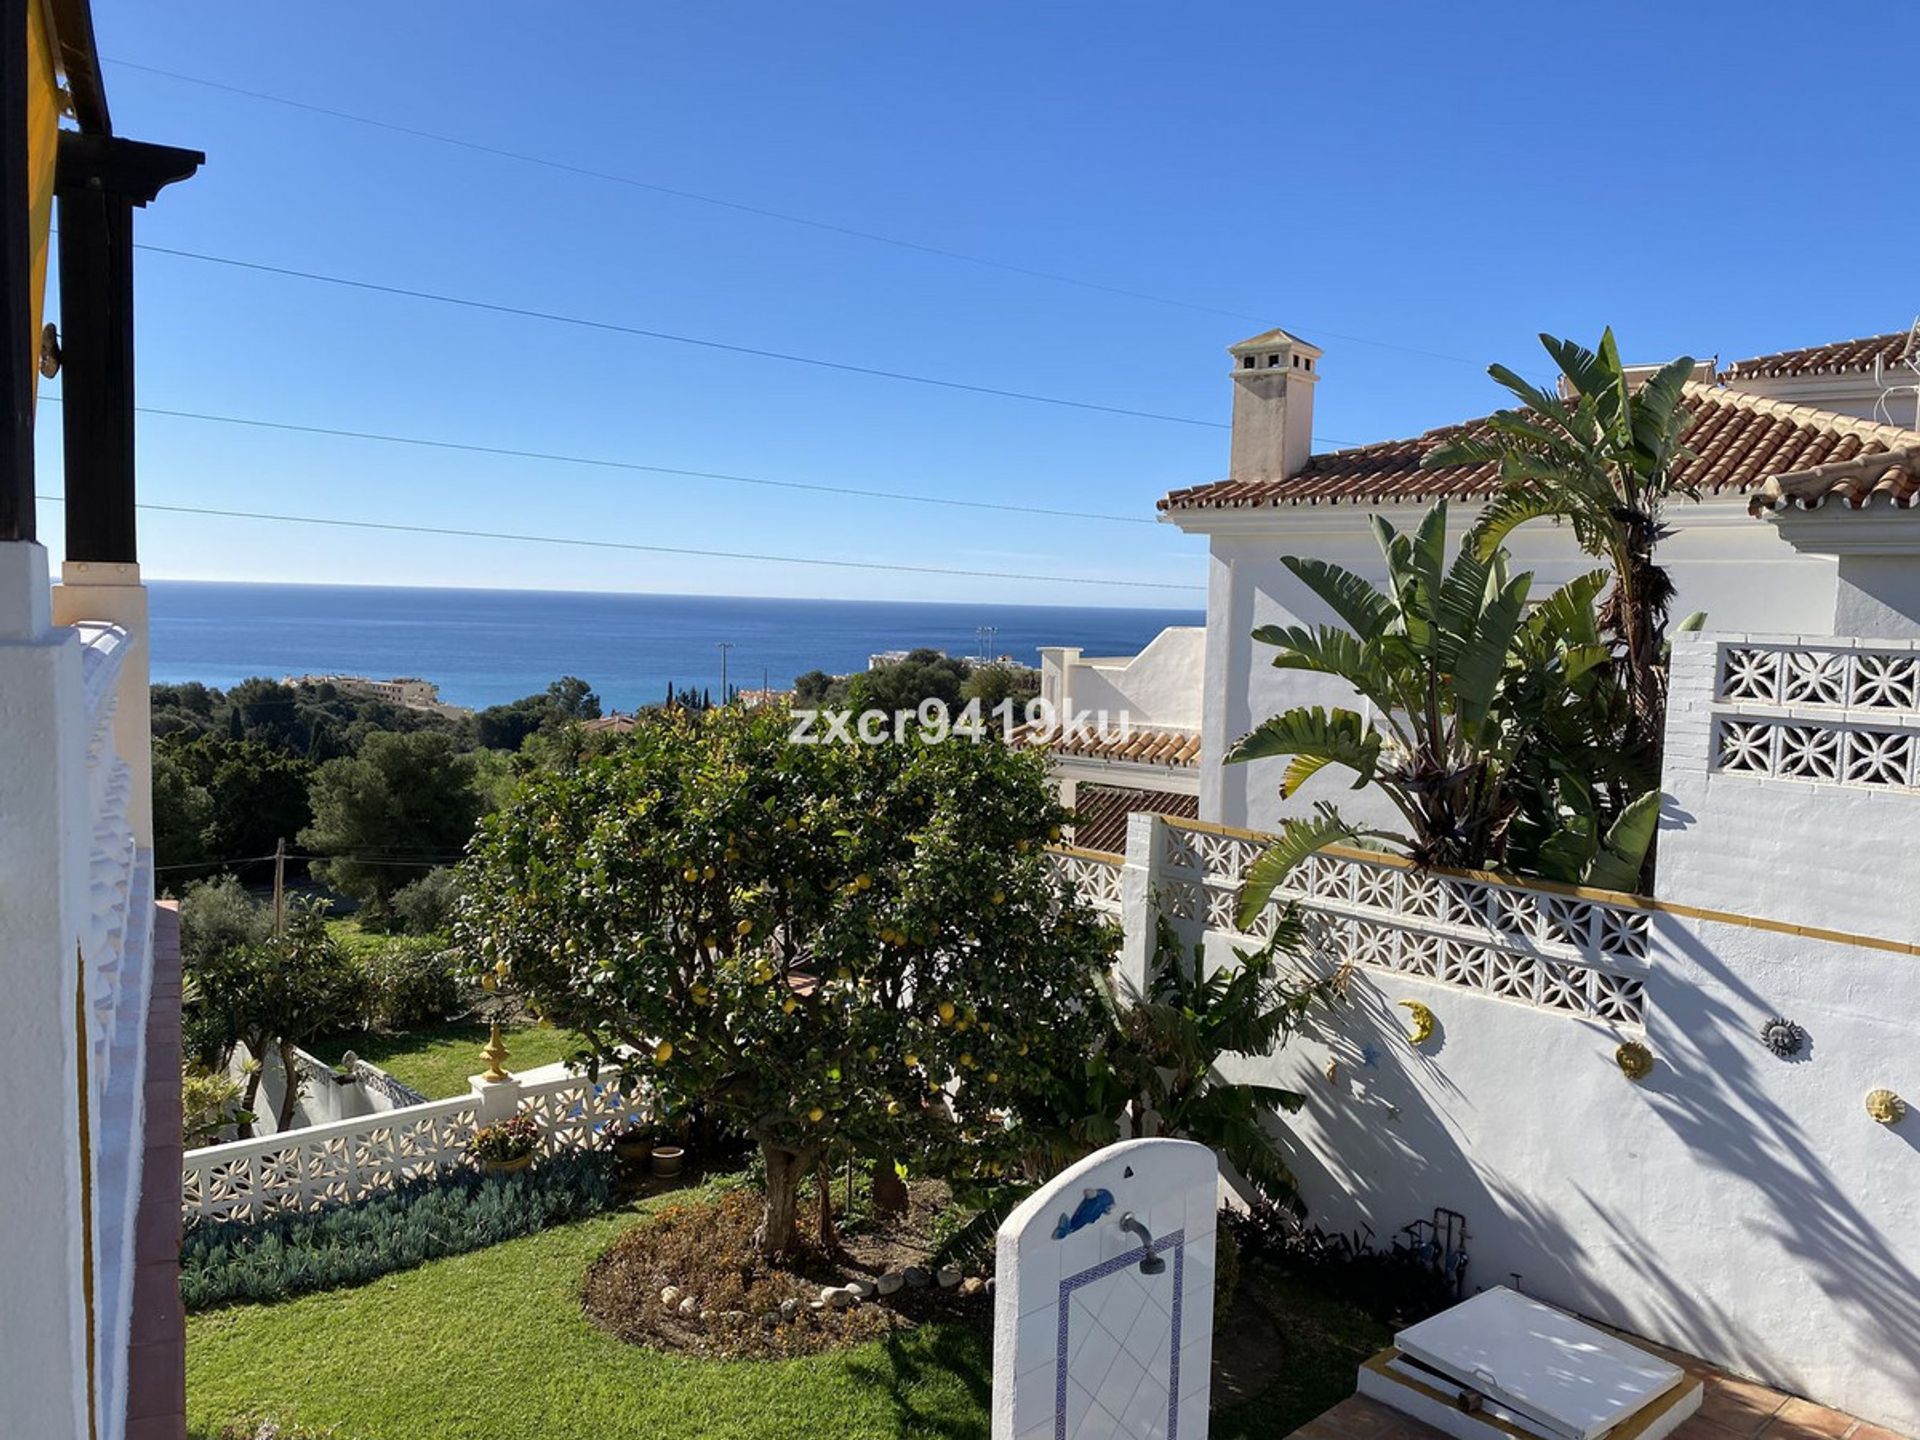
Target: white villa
pixel 1685 1115
pixel 1808 460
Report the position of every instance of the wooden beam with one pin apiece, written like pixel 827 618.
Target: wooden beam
pixel 20 352
pixel 80 61
pixel 99 183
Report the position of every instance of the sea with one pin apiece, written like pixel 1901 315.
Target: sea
pixel 485 647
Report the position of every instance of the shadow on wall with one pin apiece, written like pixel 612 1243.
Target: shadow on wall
pixel 1395 1124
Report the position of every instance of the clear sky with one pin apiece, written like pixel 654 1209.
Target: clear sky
pixel 1417 188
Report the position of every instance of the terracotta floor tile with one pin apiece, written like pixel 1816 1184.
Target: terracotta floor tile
pixel 1740 1405
pixel 1812 1418
pixel 1875 1432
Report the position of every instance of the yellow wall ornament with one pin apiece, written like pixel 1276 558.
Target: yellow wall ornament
pixel 1886 1107
pixel 1423 1022
pixel 1634 1059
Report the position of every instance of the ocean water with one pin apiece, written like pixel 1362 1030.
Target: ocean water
pixel 483 647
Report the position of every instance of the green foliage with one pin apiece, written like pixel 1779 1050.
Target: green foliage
pixel 991 684
pixel 399 797
pixel 507 727
pixel 436 1215
pixel 220 915
pixel 410 982
pixel 903 684
pixel 225 800
pixel 181 810
pixel 425 906
pixel 1499 735
pixel 267 994
pixel 209 1104
pixel 1607 461
pixel 506 1140
pixel 813 942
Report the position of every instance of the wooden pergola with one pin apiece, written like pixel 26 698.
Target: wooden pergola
pixel 97 180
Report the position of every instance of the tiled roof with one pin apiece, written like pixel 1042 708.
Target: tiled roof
pixel 1840 358
pixel 1740 443
pixel 1177 749
pixel 1889 475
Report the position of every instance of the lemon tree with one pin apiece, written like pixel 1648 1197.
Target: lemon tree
pixel 830 945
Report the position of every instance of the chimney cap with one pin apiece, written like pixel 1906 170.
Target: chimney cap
pixel 1275 339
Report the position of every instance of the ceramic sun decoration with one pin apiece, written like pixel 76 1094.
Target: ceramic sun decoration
pixel 1886 1107
pixel 1634 1059
pixel 1784 1038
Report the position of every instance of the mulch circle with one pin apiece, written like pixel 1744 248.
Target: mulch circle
pixel 702 1247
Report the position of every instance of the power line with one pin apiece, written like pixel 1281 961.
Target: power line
pixel 601 462
pixel 650 549
pixel 613 327
pixel 763 212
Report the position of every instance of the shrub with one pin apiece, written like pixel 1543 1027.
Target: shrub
pixel 209 1103
pixel 511 1139
pixel 410 983
pixel 425 906
pixel 425 1219
pixel 219 915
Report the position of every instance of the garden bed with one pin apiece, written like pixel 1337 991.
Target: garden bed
pixel 691 1281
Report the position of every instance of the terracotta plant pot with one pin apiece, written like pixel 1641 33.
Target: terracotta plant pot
pixel 666 1160
pixel 507 1167
pixel 634 1149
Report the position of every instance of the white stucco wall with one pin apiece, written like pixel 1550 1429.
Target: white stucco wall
pixel 1738 1206
pixel 1162 686
pixel 1722 561
pixel 1759 824
pixel 44 910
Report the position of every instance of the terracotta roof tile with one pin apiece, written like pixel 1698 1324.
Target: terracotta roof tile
pixel 1140 745
pixel 1740 443
pixel 1840 357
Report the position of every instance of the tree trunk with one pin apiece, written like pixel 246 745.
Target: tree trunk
pixel 290 1073
pixel 890 1196
pixel 779 1220
pixel 243 1129
pixel 823 1182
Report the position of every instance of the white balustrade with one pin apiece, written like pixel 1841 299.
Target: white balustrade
pixel 348 1160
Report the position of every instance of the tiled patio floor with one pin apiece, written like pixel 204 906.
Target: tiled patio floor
pixel 1731 1409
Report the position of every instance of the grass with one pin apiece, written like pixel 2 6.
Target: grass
pixel 494 1344
pixel 438 1060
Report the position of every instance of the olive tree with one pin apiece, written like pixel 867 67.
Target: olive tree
pixel 830 945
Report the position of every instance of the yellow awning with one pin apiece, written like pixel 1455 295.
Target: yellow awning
pixel 43 140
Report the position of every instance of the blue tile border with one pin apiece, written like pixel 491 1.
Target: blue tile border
pixel 1174 1240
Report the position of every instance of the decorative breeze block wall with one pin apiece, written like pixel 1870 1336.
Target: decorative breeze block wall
pixel 1563 952
pixel 1831 714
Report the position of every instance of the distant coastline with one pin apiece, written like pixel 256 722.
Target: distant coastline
pixel 484 647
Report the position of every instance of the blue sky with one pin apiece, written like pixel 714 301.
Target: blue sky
pixel 1440 178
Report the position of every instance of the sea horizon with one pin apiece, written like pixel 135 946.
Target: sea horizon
pixel 483 646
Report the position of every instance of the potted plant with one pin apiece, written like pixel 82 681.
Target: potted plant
pixel 634 1141
pixel 505 1147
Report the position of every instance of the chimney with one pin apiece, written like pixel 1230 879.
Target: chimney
pixel 1273 379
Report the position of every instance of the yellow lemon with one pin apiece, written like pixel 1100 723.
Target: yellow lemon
pixel 789 1005
pixel 700 993
pixel 893 1107
pixel 744 928
pixel 843 973
pixel 862 882
pixel 912 1059
pixel 816 1114
pixel 1053 832
pixel 708 873
pixel 993 1077
pixel 999 897
pixel 967 1060
pixel 663 1052
pixel 690 874
pixel 946 1012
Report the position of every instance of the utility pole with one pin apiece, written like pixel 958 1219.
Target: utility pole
pixel 280 885
pixel 724 646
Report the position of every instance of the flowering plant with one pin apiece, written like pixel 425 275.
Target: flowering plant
pixel 510 1139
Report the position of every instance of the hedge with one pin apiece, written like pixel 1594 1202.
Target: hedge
pixel 255 1260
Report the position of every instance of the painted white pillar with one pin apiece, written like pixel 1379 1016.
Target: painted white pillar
pixel 44 851
pixel 99 590
pixel 1140 878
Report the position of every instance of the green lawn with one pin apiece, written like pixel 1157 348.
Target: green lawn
pixel 438 1060
pixel 493 1344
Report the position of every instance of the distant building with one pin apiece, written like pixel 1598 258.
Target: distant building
pixel 613 723
pixel 408 691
